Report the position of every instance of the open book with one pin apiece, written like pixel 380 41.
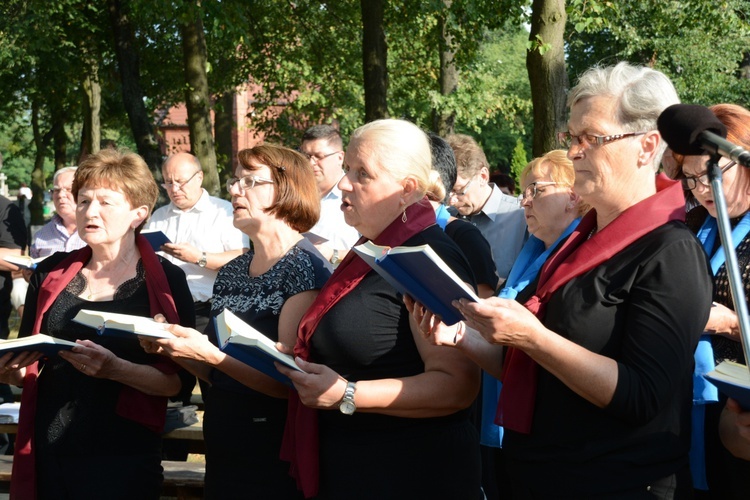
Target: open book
pixel 36 343
pixel 245 343
pixel 420 273
pixel 122 325
pixel 157 238
pixel 24 261
pixel 733 379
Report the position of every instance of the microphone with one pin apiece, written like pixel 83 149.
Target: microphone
pixel 694 130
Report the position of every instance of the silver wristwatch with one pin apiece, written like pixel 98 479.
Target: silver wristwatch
pixel 203 261
pixel 347 406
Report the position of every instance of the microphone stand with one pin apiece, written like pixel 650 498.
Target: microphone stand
pixel 733 269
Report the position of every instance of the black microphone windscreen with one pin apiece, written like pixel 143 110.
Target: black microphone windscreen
pixel 682 124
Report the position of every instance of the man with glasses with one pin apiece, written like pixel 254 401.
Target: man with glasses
pixel 200 228
pixel 60 234
pixel 498 216
pixel 323 147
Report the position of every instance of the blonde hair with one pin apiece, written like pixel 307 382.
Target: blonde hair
pixel 557 166
pixel 401 149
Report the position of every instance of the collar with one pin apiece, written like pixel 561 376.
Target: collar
pixel 201 205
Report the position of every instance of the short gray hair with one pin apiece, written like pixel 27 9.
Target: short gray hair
pixel 641 94
pixel 62 171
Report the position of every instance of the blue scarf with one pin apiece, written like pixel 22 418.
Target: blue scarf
pixel 442 216
pixel 525 270
pixel 704 392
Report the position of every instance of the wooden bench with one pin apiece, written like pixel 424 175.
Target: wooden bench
pixel 181 479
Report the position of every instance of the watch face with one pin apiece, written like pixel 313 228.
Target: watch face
pixel 347 407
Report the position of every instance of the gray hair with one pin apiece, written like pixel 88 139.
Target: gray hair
pixel 641 94
pixel 62 171
pixel 400 148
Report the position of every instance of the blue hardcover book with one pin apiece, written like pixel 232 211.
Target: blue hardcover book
pixel 245 343
pixel 733 379
pixel 36 343
pixel 420 273
pixel 156 238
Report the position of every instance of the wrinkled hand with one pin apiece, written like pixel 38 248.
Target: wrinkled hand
pixel 92 359
pixel 723 321
pixel 501 321
pixel 431 326
pixel 12 366
pixel 320 387
pixel 183 251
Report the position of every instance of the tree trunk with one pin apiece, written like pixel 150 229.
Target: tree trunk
pixel 443 123
pixel 41 143
pixel 92 92
pixel 375 60
pixel 547 76
pixel 225 132
pixel 198 101
pixel 132 94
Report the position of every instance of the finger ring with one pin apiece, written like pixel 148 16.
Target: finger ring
pixel 83 368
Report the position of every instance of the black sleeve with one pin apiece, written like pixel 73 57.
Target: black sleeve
pixel 186 310
pixel 13 228
pixel 477 250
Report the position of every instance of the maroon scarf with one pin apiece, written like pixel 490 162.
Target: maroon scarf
pixel 133 404
pixel 578 255
pixel 300 443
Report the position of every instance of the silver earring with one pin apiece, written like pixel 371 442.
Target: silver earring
pixel 403 217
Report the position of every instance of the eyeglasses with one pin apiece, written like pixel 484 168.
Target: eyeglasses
pixel 463 190
pixel 690 183
pixel 247 182
pixel 60 190
pixel 179 185
pixel 318 157
pixel 532 189
pixel 567 139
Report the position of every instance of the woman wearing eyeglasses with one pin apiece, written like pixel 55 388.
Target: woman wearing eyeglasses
pixel 597 372
pixel 716 473
pixel 275 199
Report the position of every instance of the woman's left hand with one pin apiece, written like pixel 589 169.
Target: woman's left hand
pixel 320 387
pixel 92 359
pixel 723 321
pixel 501 321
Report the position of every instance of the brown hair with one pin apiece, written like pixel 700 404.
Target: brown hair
pixel 119 170
pixel 469 155
pixel 737 120
pixel 297 197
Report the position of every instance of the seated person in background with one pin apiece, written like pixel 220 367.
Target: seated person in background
pixel 91 420
pixel 323 147
pixel 199 227
pixel 734 428
pixel 466 235
pixel 59 234
pixel 499 216
pixel 269 287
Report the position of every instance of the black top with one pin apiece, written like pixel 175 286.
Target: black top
pixel 633 309
pixel 477 250
pixel 367 336
pixel 12 235
pixel 76 414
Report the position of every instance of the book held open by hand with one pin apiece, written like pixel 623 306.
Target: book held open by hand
pixel 156 237
pixel 420 273
pixel 24 261
pixel 733 379
pixel 36 343
pixel 121 325
pixel 244 343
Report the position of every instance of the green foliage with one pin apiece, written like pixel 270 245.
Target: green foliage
pixel 519 161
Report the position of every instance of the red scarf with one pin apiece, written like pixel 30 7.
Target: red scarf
pixel 578 255
pixel 133 404
pixel 300 443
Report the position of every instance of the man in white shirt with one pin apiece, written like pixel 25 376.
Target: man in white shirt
pixel 332 236
pixel 200 228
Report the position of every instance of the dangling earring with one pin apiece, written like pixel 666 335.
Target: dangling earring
pixel 403 217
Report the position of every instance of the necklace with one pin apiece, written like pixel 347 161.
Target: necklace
pixel 593 231
pixel 92 293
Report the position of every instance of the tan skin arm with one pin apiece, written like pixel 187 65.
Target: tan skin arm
pixel 734 429
pixel 188 253
pixel 450 382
